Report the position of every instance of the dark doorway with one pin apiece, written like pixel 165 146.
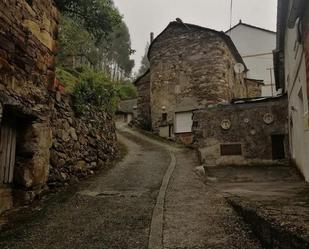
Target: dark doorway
pixel 278 147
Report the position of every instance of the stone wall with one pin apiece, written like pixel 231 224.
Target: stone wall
pixel 81 144
pixel 248 127
pixel 53 145
pixel 28 33
pixel 253 88
pixel 143 119
pixel 187 61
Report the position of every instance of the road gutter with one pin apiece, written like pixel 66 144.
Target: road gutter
pixel 156 228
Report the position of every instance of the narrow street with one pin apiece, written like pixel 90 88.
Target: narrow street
pixel 115 210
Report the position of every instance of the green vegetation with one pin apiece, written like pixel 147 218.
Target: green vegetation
pixel 68 79
pixel 126 91
pixel 99 17
pixel 94 61
pixel 94 89
pixel 103 45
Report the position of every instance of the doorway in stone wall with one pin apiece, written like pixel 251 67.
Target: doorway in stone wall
pixel 8 134
pixel 278 150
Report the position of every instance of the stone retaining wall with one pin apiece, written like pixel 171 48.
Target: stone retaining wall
pixel 81 145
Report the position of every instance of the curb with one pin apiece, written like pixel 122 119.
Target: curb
pixel 269 234
pixel 156 228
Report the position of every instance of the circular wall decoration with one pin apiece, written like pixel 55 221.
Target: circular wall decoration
pixel 253 132
pixel 268 118
pixel 226 124
pixel 246 120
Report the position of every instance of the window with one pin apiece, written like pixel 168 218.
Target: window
pixel 183 122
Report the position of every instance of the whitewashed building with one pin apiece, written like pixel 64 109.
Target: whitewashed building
pixel 292 74
pixel 255 46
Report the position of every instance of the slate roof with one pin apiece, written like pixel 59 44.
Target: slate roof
pixel 239 101
pixel 261 82
pixel 186 105
pixel 127 106
pixel 141 77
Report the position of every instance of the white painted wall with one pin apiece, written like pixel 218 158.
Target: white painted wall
pixel 295 78
pixel 183 122
pixel 253 42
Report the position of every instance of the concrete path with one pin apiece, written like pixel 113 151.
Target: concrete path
pixel 273 199
pixel 153 199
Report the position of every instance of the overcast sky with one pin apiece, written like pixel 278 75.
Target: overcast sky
pixel 145 16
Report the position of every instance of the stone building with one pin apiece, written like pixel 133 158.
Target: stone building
pixel 190 68
pixel 143 115
pixel 42 142
pixel 292 75
pixel 27 45
pixel 126 111
pixel 245 132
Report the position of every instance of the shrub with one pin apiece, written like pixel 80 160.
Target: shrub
pixel 94 90
pixel 126 91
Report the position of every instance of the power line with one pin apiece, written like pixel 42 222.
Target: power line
pixel 231 14
pixel 256 55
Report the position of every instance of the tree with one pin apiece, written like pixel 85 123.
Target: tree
pixel 86 42
pixel 75 42
pixel 99 17
pixel 145 62
pixel 120 50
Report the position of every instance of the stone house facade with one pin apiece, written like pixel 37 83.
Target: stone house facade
pixel 27 53
pixel 43 143
pixel 126 111
pixel 143 115
pixel 190 67
pixel 245 132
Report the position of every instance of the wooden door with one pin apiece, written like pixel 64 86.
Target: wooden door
pixel 7 152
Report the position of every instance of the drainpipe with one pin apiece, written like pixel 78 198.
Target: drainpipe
pixel 1 112
pixel 296 10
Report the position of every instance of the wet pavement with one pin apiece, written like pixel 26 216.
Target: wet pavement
pixel 115 209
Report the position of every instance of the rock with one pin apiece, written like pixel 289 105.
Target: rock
pixel 65 136
pixel 73 134
pixel 61 163
pixel 64 176
pixel 80 166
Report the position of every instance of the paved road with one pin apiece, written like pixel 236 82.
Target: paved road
pixel 115 210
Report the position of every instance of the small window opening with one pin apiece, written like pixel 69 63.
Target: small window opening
pixel 30 2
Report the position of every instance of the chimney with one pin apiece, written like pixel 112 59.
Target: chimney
pixel 151 37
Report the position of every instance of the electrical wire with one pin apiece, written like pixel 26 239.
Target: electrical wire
pixel 231 14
